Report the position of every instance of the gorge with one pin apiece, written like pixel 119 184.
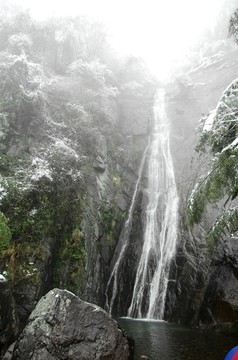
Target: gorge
pixel 97 168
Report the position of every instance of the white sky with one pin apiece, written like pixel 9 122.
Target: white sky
pixel 157 30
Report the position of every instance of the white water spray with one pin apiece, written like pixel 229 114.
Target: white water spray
pixel 161 222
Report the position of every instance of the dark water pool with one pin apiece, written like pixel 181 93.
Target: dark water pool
pixel 164 341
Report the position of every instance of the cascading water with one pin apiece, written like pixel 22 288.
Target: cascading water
pixel 148 292
pixel 123 243
pixel 161 218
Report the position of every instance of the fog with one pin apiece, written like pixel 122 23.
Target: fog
pixel 162 32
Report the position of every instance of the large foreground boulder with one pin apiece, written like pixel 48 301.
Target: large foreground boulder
pixel 64 327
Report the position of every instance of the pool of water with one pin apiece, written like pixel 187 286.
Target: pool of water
pixel 159 340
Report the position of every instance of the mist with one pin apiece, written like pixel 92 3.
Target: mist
pixel 163 33
pixel 118 179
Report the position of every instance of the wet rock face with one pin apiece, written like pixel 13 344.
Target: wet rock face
pixel 220 302
pixel 64 327
pixel 9 325
pixel 205 292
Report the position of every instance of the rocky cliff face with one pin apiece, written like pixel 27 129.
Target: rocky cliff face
pixel 110 194
pixel 203 286
pixel 74 123
pixel 73 130
pixel 9 322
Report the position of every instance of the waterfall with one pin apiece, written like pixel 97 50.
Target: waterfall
pixel 159 227
pixel 123 242
pixel 161 218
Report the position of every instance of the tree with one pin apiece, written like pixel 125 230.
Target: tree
pixel 220 138
pixel 5 234
pixel 233 26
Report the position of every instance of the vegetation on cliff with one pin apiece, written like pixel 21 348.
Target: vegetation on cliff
pixel 219 139
pixel 66 105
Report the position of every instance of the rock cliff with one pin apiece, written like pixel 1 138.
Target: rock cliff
pixel 74 123
pixel 203 286
pixel 9 322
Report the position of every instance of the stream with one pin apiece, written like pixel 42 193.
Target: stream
pixel 159 340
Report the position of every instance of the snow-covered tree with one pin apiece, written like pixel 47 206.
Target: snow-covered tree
pixel 219 138
pixel 62 106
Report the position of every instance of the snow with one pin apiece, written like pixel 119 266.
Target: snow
pixel 191 198
pixel 232 145
pixel 199 84
pixel 224 108
pixel 62 146
pixel 40 169
pixel 3 192
pixel 235 142
pixel 2 278
pixel 208 61
pixel 231 86
pixel 4 125
pixel 75 175
pixel 33 212
pixel 209 121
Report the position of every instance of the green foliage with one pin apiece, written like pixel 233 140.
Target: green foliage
pixel 70 260
pixel 5 234
pixel 220 139
pixel 7 163
pixel 78 246
pixel 58 102
pixel 74 248
pixel 48 209
pixel 226 223
pixel 20 270
pixel 111 217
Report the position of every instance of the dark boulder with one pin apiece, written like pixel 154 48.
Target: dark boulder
pixel 9 325
pixel 205 292
pixel 64 327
